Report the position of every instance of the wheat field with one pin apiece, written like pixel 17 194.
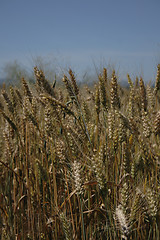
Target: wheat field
pixel 80 162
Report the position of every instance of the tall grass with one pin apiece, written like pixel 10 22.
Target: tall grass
pixel 80 163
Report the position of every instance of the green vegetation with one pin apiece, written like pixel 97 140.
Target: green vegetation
pixel 80 163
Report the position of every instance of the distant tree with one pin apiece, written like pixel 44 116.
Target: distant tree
pixel 13 72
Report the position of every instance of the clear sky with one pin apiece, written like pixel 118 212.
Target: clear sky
pixel 123 33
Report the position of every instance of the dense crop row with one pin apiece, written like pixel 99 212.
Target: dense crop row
pixel 80 163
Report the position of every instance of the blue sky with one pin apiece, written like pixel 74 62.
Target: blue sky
pixel 122 33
